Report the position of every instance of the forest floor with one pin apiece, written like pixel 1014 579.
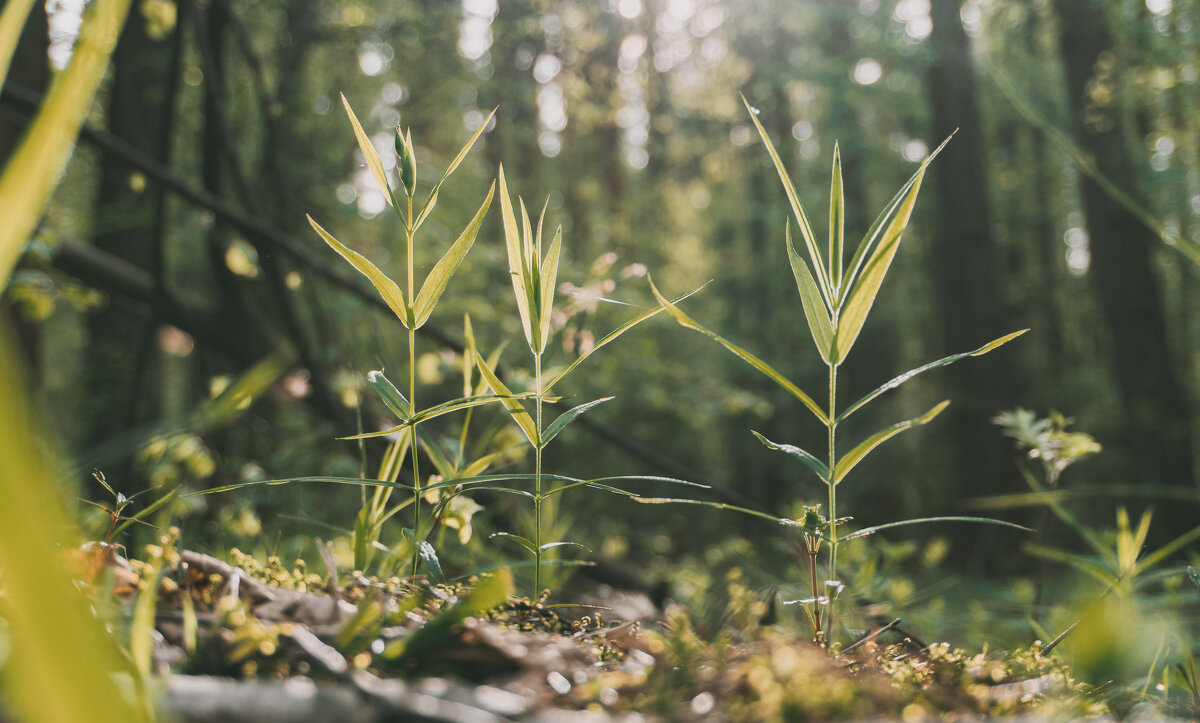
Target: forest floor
pixel 252 641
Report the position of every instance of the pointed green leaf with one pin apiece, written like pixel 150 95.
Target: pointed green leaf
pixel 433 450
pixel 687 322
pixel 439 276
pixel 429 556
pixel 368 151
pixel 815 311
pixel 609 338
pixel 715 506
pixel 806 231
pixel 463 152
pixel 868 241
pixel 429 206
pixel 809 460
pixel 455 405
pixel 549 276
pixel 924 520
pixel 597 483
pixel 922 369
pixel 1166 551
pixel 552 545
pixel 390 395
pixel 867 285
pixel 847 463
pixel 522 541
pixel 837 221
pixel 516 258
pixel 468 361
pixel 567 417
pixel 387 288
pixel 1079 562
pixel 515 408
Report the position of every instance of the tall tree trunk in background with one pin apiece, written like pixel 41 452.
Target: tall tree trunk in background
pixel 967 264
pixel 30 69
pixel 1157 422
pixel 128 222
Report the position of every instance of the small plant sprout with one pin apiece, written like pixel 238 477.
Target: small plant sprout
pixel 836 298
pixel 412 307
pixel 534 272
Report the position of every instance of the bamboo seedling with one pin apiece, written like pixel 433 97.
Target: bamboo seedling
pixel 837 298
pixel 412 307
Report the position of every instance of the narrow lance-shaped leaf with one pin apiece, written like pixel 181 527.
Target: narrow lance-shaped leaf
pixel 429 206
pixel 369 153
pixel 516 264
pixel 926 520
pixel 815 311
pixel 809 460
pixel 553 545
pixel 806 231
pixel 609 338
pixel 856 455
pixel 519 414
pixel 687 322
pixel 431 413
pixel 715 506
pixel 391 396
pixel 387 288
pixel 549 276
pixel 837 222
pixel 892 384
pixel 522 541
pixel 868 240
pixel 462 153
pixel 867 285
pixel 531 247
pixel 439 276
pixel 429 556
pixel 567 417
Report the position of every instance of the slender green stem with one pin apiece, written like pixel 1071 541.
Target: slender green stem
pixel 412 400
pixel 833 541
pixel 537 483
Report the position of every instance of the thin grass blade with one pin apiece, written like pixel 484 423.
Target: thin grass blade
pixel 598 482
pixel 1084 564
pixel 715 506
pixel 455 405
pixel 439 276
pixel 837 222
pixel 12 21
pixel 991 345
pixel 567 417
pixel 429 206
pixel 1166 550
pixel 514 407
pixel 766 369
pixel 369 153
pixel 462 153
pixel 387 288
pixel 809 460
pixel 926 520
pixel 806 231
pixel 856 455
pixel 553 545
pixel 815 311
pixel 149 510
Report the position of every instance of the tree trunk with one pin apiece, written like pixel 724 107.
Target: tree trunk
pixel 1156 415
pixel 969 289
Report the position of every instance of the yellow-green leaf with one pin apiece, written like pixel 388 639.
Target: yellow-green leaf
pixel 462 153
pixel 815 311
pixel 856 455
pixel 33 170
pixel 516 264
pixel 12 21
pixel 866 286
pixel 810 238
pixel 549 276
pixel 387 288
pixel 837 221
pixel 687 322
pixel 369 153
pixel 439 276
pixel 515 408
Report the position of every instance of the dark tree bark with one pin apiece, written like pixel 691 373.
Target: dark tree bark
pixel 966 265
pixel 1157 424
pixel 128 223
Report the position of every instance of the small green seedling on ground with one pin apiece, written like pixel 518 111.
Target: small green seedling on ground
pixel 837 299
pixel 534 273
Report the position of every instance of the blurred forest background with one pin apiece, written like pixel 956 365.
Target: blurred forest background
pixel 176 257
